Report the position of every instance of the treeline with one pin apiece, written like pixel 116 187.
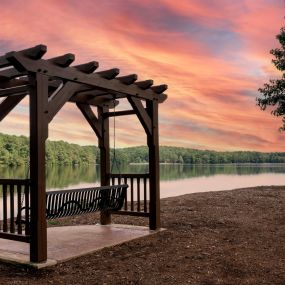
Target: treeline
pixel 194 156
pixel 14 150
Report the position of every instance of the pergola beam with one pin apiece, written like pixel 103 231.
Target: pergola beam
pixel 60 98
pixel 11 73
pixel 8 104
pixel 109 74
pixel 63 60
pixel 88 67
pixel 13 91
pixel 141 113
pixel 4 62
pixel 120 113
pixel 128 79
pixel 144 84
pixel 38 136
pixel 13 83
pixel 159 88
pixel 22 62
pixel 91 118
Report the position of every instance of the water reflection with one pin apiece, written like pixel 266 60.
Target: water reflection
pixel 177 172
pixel 59 177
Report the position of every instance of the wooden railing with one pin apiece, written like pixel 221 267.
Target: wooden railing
pixel 137 198
pixel 14 209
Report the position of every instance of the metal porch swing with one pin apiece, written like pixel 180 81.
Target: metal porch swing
pixel 63 203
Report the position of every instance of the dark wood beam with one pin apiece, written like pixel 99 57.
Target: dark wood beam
pixel 128 79
pixel 38 135
pixel 95 80
pixel 63 60
pixel 35 52
pixel 13 83
pixel 120 113
pixel 13 91
pixel 104 146
pixel 4 62
pixel 159 88
pixel 109 74
pixel 91 118
pixel 60 98
pixel 144 84
pixel 88 67
pixel 104 100
pixel 130 213
pixel 8 104
pixel 154 187
pixel 10 73
pixel 16 237
pixel 141 113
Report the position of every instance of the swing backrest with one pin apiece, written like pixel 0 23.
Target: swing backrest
pixel 78 201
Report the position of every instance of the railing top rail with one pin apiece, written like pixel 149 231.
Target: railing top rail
pixel 15 181
pixel 129 175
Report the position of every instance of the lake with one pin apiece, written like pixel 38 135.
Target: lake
pixel 175 179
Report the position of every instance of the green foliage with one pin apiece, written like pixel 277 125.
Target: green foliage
pixel 14 151
pixel 181 155
pixel 273 93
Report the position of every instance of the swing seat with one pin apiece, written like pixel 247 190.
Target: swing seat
pixel 79 201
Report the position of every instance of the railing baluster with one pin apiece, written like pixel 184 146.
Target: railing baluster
pixel 11 226
pixel 139 188
pixel 12 217
pixel 126 199
pixel 144 195
pixel 5 224
pixel 138 195
pixel 19 205
pixel 132 194
pixel 27 212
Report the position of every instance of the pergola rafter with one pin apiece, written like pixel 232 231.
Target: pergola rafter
pixel 50 84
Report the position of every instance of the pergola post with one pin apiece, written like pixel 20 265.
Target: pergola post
pixel 38 135
pixel 104 146
pixel 153 145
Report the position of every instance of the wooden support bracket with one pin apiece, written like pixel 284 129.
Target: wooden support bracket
pixel 91 118
pixel 141 113
pixel 63 95
pixel 8 104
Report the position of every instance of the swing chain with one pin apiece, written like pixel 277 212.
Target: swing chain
pixel 114 160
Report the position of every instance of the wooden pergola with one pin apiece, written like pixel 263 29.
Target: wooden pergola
pixel 50 83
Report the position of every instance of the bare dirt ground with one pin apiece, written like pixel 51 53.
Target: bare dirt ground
pixel 229 237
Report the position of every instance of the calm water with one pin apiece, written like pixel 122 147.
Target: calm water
pixel 175 179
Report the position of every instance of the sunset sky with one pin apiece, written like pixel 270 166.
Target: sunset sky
pixel 213 54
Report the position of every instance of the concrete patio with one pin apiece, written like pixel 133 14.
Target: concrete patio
pixel 65 243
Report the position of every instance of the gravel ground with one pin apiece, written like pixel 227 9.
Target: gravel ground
pixel 228 237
